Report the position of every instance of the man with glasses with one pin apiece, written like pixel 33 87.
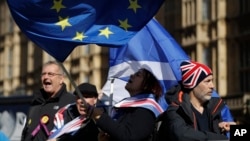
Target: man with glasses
pixel 47 101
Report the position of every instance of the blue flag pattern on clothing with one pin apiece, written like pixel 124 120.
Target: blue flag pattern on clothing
pixel 58 26
pixel 152 48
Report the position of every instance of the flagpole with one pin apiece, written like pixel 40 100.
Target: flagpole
pixel 73 83
pixel 111 95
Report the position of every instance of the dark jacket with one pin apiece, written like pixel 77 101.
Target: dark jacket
pixel 179 121
pixel 135 124
pixel 42 106
pixel 88 132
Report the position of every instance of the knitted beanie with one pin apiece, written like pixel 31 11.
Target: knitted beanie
pixel 193 73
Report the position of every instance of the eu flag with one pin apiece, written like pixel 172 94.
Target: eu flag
pixel 58 26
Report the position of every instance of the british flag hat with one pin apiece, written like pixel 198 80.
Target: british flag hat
pixel 193 73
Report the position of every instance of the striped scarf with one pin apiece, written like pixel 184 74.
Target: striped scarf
pixel 142 100
pixel 61 128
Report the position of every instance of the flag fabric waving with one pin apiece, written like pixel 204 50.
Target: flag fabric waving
pixel 58 26
pixel 152 48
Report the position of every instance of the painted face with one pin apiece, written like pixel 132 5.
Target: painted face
pixel 135 83
pixel 52 79
pixel 79 104
pixel 203 91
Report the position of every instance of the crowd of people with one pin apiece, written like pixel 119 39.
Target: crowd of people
pixel 192 113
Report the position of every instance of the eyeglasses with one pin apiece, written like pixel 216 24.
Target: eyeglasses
pixel 50 74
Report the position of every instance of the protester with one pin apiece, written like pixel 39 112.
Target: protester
pixel 3 137
pixel 193 114
pixel 133 118
pixel 85 129
pixel 47 101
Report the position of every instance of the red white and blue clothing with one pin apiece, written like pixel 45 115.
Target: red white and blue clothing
pixel 134 119
pixel 41 114
pixel 71 126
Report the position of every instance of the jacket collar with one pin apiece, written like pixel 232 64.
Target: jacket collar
pixel 41 96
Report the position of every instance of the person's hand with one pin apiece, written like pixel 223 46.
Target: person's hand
pixel 92 111
pixel 225 126
pixel 97 112
pixel 103 136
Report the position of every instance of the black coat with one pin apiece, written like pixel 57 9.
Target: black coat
pixel 179 121
pixel 135 124
pixel 89 132
pixel 42 106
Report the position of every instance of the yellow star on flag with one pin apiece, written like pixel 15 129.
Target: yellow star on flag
pixel 57 5
pixel 79 36
pixel 124 24
pixel 133 5
pixel 106 32
pixel 63 22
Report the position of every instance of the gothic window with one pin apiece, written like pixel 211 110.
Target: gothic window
pixel 245 66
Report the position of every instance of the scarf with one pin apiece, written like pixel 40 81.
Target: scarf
pixel 146 101
pixel 61 128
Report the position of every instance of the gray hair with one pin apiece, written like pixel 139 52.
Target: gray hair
pixel 55 63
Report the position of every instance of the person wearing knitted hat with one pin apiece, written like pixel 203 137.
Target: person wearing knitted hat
pixel 193 114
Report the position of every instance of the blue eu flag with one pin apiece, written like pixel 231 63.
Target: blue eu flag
pixel 58 26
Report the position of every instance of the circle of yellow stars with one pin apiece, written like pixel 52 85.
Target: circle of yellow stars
pixel 64 22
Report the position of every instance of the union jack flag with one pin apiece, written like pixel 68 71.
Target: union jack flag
pixel 192 71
